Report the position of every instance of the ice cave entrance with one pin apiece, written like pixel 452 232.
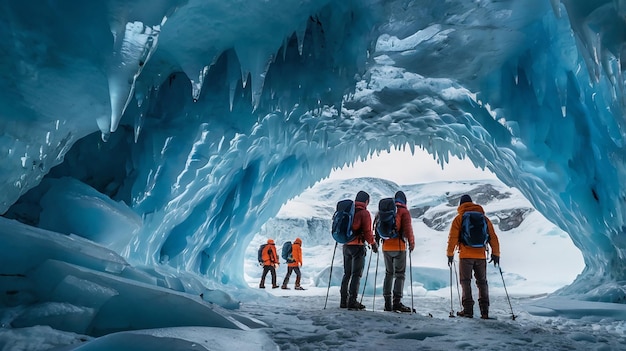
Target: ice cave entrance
pixel 527 238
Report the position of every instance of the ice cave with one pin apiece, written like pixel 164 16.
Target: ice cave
pixel 169 131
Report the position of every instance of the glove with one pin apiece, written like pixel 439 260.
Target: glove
pixel 450 260
pixel 495 259
pixel 411 248
pixel 374 248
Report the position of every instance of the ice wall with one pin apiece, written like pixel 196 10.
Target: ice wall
pixel 215 113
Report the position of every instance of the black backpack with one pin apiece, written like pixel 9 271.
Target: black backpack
pixel 474 232
pixel 386 223
pixel 342 222
pixel 260 253
pixel 286 252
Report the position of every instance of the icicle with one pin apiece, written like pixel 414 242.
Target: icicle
pixel 132 51
pixel 232 75
pixel 196 87
pixel 139 119
pixel 256 61
pixel 300 33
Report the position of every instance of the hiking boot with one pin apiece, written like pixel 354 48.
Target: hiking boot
pixel 399 307
pixel 343 304
pixel 261 286
pixel 388 307
pixel 484 316
pixel 284 287
pixel 355 305
pixel 275 286
pixel 465 314
pixel 298 288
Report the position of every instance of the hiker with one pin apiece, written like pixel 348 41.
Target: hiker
pixel 270 262
pixel 394 253
pixel 472 258
pixel 294 262
pixel 354 253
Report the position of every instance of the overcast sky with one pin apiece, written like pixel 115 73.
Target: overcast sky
pixel 403 168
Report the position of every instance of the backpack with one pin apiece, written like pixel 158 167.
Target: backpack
pixel 286 253
pixel 474 231
pixel 341 228
pixel 260 253
pixel 386 223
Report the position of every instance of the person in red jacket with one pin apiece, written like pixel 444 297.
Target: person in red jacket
pixel 294 262
pixel 354 253
pixel 394 253
pixel 270 262
pixel 472 259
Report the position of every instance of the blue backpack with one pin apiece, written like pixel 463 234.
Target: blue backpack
pixel 474 232
pixel 286 252
pixel 386 222
pixel 342 222
pixel 260 253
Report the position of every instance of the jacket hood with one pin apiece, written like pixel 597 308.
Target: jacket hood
pixel 270 241
pixel 469 206
pixel 298 241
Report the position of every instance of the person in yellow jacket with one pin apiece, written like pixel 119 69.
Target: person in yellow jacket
pixel 472 259
pixel 394 253
pixel 294 262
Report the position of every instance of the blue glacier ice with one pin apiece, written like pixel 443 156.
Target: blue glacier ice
pixel 168 131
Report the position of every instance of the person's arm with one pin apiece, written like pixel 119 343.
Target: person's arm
pixel 366 225
pixel 453 236
pixel 407 229
pixel 494 242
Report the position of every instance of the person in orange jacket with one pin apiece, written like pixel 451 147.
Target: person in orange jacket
pixel 294 262
pixel 394 253
pixel 354 253
pixel 270 262
pixel 472 259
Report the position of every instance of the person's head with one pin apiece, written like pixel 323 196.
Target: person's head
pixel 270 241
pixel 362 196
pixel 400 197
pixel 298 241
pixel 465 198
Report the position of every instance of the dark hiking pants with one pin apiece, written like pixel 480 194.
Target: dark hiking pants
pixel 272 271
pixel 353 263
pixel 395 266
pixel 295 270
pixel 479 267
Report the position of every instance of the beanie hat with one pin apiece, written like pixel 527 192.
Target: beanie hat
pixel 270 241
pixel 465 198
pixel 362 196
pixel 298 241
pixel 400 197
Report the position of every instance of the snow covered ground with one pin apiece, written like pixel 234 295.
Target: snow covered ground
pixel 298 321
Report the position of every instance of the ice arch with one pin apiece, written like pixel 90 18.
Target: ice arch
pixel 218 112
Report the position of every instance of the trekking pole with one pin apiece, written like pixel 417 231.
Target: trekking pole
pixel 331 274
pixel 375 275
pixel 507 294
pixel 366 274
pixel 458 292
pixel 451 308
pixel 411 278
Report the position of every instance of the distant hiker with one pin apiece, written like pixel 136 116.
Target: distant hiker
pixel 394 253
pixel 294 262
pixel 354 253
pixel 471 232
pixel 269 258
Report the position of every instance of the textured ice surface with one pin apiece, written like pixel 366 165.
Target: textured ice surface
pixel 217 112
